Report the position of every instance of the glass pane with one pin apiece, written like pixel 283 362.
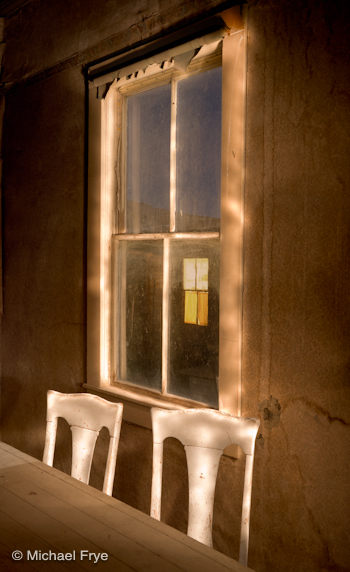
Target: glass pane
pixel 148 160
pixel 189 273
pixel 202 273
pixel 140 282
pixel 194 346
pixel 202 308
pixel 190 307
pixel 198 144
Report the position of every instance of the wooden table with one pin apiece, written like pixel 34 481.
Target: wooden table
pixel 59 523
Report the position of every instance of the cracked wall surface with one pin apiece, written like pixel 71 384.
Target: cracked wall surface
pixel 296 318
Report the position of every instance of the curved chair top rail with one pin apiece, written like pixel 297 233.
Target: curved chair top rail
pixel 205 428
pixel 84 410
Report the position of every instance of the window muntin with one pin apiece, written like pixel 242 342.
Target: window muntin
pixel 172 141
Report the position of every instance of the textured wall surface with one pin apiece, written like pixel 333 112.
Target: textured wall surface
pixel 296 316
pixel 297 271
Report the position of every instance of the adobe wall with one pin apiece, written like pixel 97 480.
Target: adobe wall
pixel 296 301
pixel 296 263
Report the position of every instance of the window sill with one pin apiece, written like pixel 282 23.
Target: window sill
pixel 137 406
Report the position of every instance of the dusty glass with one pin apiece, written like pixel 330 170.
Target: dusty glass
pixel 140 279
pixel 148 160
pixel 198 152
pixel 194 347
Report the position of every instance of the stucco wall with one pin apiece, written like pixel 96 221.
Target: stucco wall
pixel 296 333
pixel 296 263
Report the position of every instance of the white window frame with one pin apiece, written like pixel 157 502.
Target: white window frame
pixel 105 155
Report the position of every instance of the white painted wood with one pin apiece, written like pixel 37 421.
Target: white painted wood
pixel 165 314
pixel 107 218
pixel 86 414
pixel 202 465
pixel 172 235
pixel 158 58
pixel 156 493
pixel 232 220
pixel 205 433
pixel 44 509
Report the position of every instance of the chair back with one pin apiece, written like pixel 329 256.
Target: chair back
pixel 205 433
pixel 86 414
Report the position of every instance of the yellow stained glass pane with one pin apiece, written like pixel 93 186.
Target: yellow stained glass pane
pixel 202 273
pixel 189 274
pixel 190 307
pixel 202 308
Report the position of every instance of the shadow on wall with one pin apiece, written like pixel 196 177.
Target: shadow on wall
pixel 175 485
pixel 132 483
pixel 23 420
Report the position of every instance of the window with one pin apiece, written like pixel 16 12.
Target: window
pixel 170 192
pixel 165 209
pixel 195 285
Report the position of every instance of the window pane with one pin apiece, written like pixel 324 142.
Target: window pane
pixel 189 273
pixel 190 307
pixel 148 160
pixel 198 145
pixel 202 274
pixel 203 308
pixel 140 280
pixel 194 346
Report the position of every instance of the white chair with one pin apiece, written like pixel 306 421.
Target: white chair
pixel 205 433
pixel 86 414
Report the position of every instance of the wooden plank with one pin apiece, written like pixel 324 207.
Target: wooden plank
pixel 67 514
pixel 60 521
pixel 13 537
pixel 51 531
pixel 102 524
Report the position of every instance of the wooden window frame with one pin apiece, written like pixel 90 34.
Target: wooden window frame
pixel 105 132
